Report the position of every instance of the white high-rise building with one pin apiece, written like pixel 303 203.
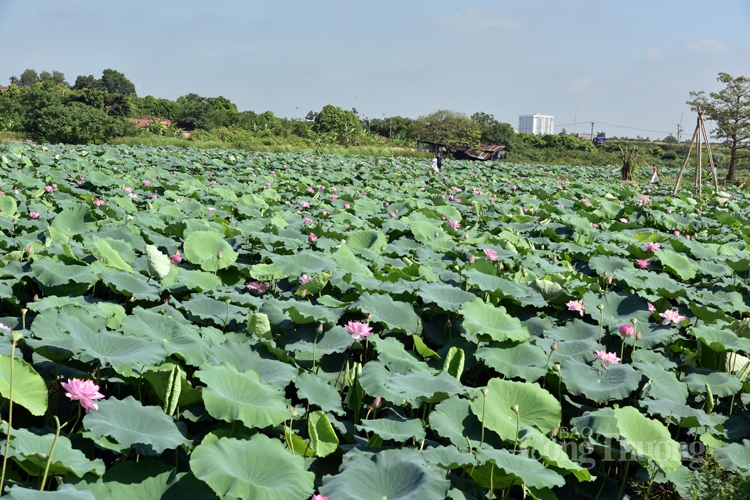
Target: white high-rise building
pixel 536 124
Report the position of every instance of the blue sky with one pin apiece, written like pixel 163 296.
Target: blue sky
pixel 622 64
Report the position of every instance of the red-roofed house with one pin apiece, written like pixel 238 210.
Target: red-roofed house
pixel 3 89
pixel 146 121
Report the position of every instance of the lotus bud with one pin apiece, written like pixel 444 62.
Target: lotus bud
pixel 557 367
pixel 472 259
pixel 500 266
pixel 449 324
pixel 554 258
pixel 101 259
pixel 221 253
pixel 319 330
pixel 524 272
pixel 36 297
pixel 609 279
pixel 638 336
pixel 30 250
pixel 378 401
pixel 580 276
pixel 554 346
pixel 466 236
pixel 554 432
pixel 436 234
pixel 304 293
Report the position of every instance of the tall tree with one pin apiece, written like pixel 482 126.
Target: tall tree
pixel 86 82
pixel 29 78
pixel 493 131
pixel 115 82
pixel 339 123
pixel 450 128
pixel 730 110
pixel 56 77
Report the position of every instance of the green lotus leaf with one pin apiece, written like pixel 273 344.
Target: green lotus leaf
pixel 337 339
pixel 132 285
pixel 369 240
pixel 113 349
pixel 420 385
pixel 608 263
pixel 597 423
pixel 682 414
pixel 448 457
pixel 536 407
pixel 452 419
pixel 735 457
pixel 171 387
pixel 391 474
pixel 319 393
pixel 447 297
pixel 648 438
pixel 8 206
pixel 516 292
pixel 619 308
pixel 218 311
pixel 315 285
pixel 29 388
pixel 231 395
pixel 677 264
pixel 74 220
pixel 394 314
pixel 721 340
pixel 515 360
pixel 304 262
pixel 551 452
pixel 197 280
pixel 18 493
pixel 246 357
pixel 304 312
pixel 721 383
pixel 526 469
pixel 209 250
pixel 349 263
pixel 399 430
pixel 615 382
pixel 102 250
pixel 54 273
pixel 487 321
pixel 258 468
pixel 175 337
pixel 323 438
pixel 30 450
pixel 662 383
pixel 159 264
pixel 147 428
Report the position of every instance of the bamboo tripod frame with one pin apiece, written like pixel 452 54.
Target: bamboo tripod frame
pixel 700 130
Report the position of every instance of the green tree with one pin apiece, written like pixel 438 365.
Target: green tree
pixel 730 110
pixel 495 132
pixel 55 77
pixel 11 110
pixel 447 127
pixel 29 78
pixel 155 108
pixel 341 125
pixel 670 139
pixel 115 82
pixel 86 82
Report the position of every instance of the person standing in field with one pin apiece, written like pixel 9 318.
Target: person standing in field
pixel 655 176
pixel 439 162
pixel 435 164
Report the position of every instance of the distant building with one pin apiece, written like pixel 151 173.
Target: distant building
pixel 3 89
pixel 536 124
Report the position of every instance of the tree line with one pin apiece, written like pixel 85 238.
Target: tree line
pixel 47 108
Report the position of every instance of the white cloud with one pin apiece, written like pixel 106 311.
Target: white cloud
pixel 652 54
pixel 707 46
pixel 474 20
pixel 580 83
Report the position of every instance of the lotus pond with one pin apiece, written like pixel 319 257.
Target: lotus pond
pixel 206 324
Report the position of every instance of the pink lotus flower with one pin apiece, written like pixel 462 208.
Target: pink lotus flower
pixel 15 191
pixel 49 189
pixel 304 204
pixel 676 233
pixel 347 206
pixel 312 238
pixel 577 306
pixel 34 215
pixel 642 263
pixel 154 196
pixel 304 279
pixel 608 358
pixel 358 330
pixel 306 220
pixel 454 224
pixel 84 391
pixel 3 327
pixel 624 221
pixel 490 254
pixel 147 183
pixel 585 201
pixel 392 214
pixel 176 257
pixel 671 315
pixel 318 496
pixel 652 247
pixel 651 307
pixel 627 330
pixel 257 286
pixel 98 203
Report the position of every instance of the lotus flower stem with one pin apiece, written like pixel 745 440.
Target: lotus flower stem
pixel 518 426
pixel 484 411
pixel 492 482
pixel 651 482
pixel 624 477
pixel 10 413
pixel 226 320
pixel 601 321
pixel 51 452
pixel 78 417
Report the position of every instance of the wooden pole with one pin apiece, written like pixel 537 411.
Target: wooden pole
pixel 684 164
pixel 698 161
pixel 710 155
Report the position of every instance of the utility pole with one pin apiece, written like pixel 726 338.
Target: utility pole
pixel 575 112
pixel 592 131
pixel 679 130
